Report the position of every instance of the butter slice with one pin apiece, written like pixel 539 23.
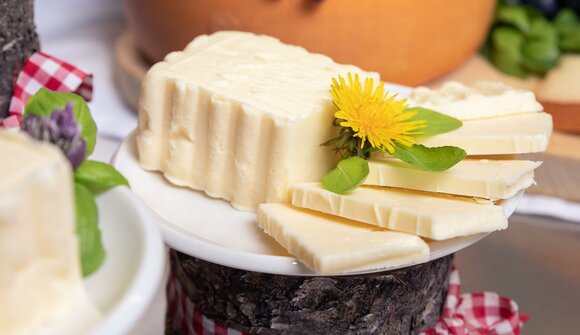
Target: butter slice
pixel 512 134
pixel 40 275
pixel 240 117
pixel 483 99
pixel 491 179
pixel 328 244
pixel 423 214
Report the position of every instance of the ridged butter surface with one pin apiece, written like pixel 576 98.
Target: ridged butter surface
pixel 330 244
pixel 40 277
pixel 482 178
pixel 239 116
pixel 421 213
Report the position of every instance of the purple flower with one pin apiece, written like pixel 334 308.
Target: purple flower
pixel 60 128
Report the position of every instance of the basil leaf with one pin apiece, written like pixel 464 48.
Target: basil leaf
pixel 566 20
pixel 431 159
pixel 98 176
pixel 513 15
pixel 437 123
pixel 540 56
pixel 90 243
pixel 570 40
pixel 45 101
pixel 348 174
pixel 506 54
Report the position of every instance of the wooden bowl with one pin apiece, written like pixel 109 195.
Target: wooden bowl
pixel 408 42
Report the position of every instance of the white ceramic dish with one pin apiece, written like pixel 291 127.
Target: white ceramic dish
pixel 211 229
pixel 124 286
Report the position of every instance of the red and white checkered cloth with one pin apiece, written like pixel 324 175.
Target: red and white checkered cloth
pixel 42 70
pixel 476 313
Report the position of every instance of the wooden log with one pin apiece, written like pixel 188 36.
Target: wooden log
pixel 404 301
pixel 18 40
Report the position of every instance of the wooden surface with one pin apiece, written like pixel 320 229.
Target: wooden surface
pixel 404 301
pixel 18 40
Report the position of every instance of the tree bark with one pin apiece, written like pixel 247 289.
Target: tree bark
pixel 404 301
pixel 18 40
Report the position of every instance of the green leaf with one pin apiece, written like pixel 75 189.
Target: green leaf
pixel 514 15
pixel 432 159
pixel 45 101
pixel 437 123
pixel 506 54
pixel 90 243
pixel 348 174
pixel 98 176
pixel 566 20
pixel 541 29
pixel 540 56
pixel 570 40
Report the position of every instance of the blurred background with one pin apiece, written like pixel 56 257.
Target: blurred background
pixel 528 44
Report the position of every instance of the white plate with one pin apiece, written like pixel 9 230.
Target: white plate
pixel 211 229
pixel 123 287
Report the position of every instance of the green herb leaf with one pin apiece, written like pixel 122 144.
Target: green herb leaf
pixel 45 101
pixel 566 20
pixel 513 15
pixel 540 56
pixel 432 159
pixel 506 54
pixel 348 174
pixel 90 243
pixel 570 40
pixel 98 176
pixel 437 123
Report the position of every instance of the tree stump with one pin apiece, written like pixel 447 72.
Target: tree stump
pixel 18 40
pixel 404 301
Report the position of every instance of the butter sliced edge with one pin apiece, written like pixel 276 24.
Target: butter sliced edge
pixel 511 134
pixel 490 179
pixel 328 244
pixel 424 214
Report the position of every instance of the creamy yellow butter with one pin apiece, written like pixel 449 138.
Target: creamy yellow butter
pixel 40 276
pixel 328 244
pixel 239 116
pixel 482 178
pixel 423 214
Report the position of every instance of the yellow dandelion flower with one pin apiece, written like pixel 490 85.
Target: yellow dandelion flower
pixel 374 114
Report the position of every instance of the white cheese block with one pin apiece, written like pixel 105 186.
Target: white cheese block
pixel 423 214
pixel 40 276
pixel 328 244
pixel 239 116
pixel 482 100
pixel 512 134
pixel 491 179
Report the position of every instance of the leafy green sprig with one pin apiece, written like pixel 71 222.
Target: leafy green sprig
pixel 522 41
pixel 47 117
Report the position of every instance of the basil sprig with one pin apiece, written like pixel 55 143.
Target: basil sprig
pixel 48 117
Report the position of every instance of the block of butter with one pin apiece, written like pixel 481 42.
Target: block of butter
pixel 482 178
pixel 481 100
pixel 511 134
pixel 40 276
pixel 424 214
pixel 328 244
pixel 239 116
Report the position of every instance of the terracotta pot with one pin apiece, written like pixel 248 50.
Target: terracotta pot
pixel 408 42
